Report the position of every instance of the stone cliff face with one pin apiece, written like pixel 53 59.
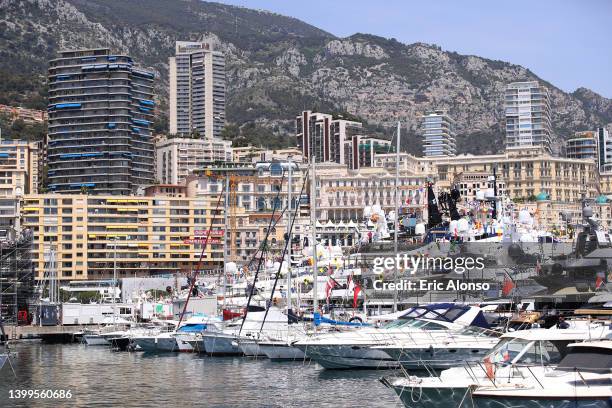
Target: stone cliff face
pixel 278 66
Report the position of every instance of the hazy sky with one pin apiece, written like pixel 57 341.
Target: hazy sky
pixel 566 42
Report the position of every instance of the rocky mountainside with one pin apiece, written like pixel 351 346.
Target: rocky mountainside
pixel 278 66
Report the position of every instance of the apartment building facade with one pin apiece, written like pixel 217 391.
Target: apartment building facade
pixel 604 146
pixel 177 157
pixel 257 194
pixel 19 167
pixel 19 175
pixel 583 145
pixel 143 235
pixel 197 90
pixel 526 173
pixel 343 194
pixel 528 113
pixel 101 111
pixel 361 150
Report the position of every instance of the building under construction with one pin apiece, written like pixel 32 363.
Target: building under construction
pixel 16 277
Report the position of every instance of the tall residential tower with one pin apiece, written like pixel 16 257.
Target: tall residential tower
pixel 527 110
pixel 100 118
pixel 321 135
pixel 197 90
pixel 438 134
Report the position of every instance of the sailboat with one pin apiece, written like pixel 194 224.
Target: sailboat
pixel 179 339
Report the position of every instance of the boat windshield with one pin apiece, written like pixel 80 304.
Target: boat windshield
pixel 479 332
pixel 593 359
pixel 192 327
pixel 414 324
pixel 525 352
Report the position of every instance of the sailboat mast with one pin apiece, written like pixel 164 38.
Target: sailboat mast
pixel 495 198
pixel 225 237
pixel 288 231
pixel 313 230
pixel 114 281
pixel 396 218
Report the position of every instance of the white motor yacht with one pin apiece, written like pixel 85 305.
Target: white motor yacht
pixel 513 361
pixel 355 348
pixel 440 352
pixel 101 336
pixel 583 378
pixel 279 346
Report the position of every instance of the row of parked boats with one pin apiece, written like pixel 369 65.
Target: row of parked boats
pixel 445 355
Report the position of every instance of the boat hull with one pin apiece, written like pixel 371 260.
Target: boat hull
pixel 221 345
pixel 197 345
pixel 154 344
pixel 533 402
pixel 183 344
pixel 281 352
pixel 251 349
pixel 95 340
pixel 120 343
pixel 421 358
pixel 414 396
pixel 424 397
pixel 346 357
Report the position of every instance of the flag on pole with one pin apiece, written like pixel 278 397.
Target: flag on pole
pixel 331 283
pixel 599 281
pixel 356 291
pixel 490 369
pixel 350 284
pixel 508 285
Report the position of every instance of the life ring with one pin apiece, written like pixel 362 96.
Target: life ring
pixel 355 319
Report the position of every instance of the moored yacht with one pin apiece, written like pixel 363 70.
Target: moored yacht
pixel 355 348
pixel 581 379
pixel 177 340
pixel 238 337
pixel 512 361
pixel 435 352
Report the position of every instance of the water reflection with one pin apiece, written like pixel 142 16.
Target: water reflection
pixel 98 377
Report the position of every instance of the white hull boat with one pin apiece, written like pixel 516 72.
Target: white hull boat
pixel 358 348
pixel 453 350
pixel 349 356
pixel 279 351
pixel 521 371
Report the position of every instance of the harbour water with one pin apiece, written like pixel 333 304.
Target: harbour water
pixel 98 377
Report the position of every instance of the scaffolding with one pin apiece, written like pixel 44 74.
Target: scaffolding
pixel 16 277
